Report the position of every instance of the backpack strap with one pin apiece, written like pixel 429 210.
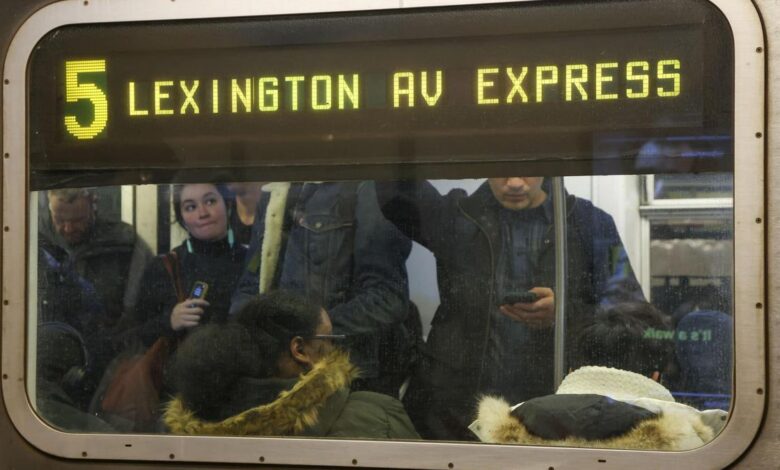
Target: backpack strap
pixel 171 262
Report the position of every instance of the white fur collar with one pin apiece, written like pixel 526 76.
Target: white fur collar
pixel 272 237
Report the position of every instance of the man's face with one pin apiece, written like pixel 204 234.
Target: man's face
pixel 518 192
pixel 72 220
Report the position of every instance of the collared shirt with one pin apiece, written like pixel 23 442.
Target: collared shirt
pixel 522 240
pixel 522 236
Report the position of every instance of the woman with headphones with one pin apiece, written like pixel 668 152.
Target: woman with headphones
pixel 191 285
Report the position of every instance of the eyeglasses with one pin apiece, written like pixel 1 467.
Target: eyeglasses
pixel 328 337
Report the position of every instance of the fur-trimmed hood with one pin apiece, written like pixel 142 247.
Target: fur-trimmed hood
pixel 308 408
pixel 668 431
pixel 674 426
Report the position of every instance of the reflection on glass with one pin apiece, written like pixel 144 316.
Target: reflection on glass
pixel 685 186
pixel 691 269
pixel 181 343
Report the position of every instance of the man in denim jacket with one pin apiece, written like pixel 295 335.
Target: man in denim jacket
pixel 330 242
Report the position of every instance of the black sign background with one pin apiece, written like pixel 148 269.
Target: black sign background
pixel 456 138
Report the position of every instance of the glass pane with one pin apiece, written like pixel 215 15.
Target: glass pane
pixel 681 186
pixel 691 268
pixel 286 233
pixel 181 343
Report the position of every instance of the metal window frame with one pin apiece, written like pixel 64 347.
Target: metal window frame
pixel 749 239
pixel 648 198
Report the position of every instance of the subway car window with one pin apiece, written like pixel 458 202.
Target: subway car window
pixel 507 224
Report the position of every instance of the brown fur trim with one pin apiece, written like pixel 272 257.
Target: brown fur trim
pixel 668 431
pixel 290 414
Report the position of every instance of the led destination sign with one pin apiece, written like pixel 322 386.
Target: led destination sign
pixel 461 85
pixel 604 81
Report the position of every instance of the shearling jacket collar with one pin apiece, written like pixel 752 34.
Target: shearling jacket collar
pixel 675 427
pixel 306 409
pixel 666 431
pixel 272 237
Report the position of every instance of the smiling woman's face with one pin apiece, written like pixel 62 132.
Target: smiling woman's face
pixel 203 211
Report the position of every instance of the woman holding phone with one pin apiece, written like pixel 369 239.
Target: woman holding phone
pixel 193 284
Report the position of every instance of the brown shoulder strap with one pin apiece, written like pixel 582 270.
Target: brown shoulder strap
pixel 171 262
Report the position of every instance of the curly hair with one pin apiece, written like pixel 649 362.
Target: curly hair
pixel 214 357
pixel 617 337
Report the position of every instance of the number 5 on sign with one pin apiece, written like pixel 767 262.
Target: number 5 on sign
pixel 75 91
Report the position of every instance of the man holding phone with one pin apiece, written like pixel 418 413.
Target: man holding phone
pixel 495 256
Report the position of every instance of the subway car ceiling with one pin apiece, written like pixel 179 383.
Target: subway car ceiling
pixel 654 112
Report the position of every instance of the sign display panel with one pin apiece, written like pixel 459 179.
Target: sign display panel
pixel 430 87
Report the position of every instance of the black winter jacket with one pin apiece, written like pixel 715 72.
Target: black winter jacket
pixel 464 234
pixel 215 263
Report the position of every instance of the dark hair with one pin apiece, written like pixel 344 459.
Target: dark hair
pixel 178 188
pixel 60 348
pixel 628 336
pixel 209 362
pixel 280 316
pixel 214 357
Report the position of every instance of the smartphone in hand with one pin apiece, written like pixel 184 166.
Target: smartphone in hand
pixel 199 290
pixel 519 298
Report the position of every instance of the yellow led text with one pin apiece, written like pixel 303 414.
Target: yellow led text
pixel 245 95
pixel 578 82
pixel 404 87
pixel 76 90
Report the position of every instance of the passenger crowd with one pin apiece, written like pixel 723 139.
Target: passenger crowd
pixel 286 311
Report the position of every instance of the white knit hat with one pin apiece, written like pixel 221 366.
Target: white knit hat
pixel 614 383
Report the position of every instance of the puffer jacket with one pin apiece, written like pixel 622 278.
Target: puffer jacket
pixel 644 415
pixel 318 404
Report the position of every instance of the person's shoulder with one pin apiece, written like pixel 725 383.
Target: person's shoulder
pixel 113 232
pixel 377 415
pixel 457 193
pixel 373 403
pixel 586 208
pixel 375 398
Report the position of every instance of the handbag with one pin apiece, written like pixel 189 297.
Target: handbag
pixel 133 393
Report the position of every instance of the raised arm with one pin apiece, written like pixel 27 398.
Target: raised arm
pixel 416 208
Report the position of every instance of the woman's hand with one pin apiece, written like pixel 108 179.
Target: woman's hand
pixel 187 314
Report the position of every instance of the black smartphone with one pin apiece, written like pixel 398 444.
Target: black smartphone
pixel 520 298
pixel 199 290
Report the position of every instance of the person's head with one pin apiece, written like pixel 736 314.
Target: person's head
pixel 72 213
pixel 210 360
pixel 274 335
pixel 62 355
pixel 628 336
pixel 201 210
pixel 298 329
pixel 518 192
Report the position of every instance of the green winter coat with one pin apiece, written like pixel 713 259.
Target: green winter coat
pixel 319 404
